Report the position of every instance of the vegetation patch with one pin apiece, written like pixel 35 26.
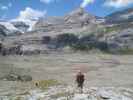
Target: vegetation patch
pixel 62 94
pixel 111 29
pixel 44 84
pixel 125 51
pixel 17 98
pixel 102 46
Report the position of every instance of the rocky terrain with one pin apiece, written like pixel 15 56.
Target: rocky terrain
pixel 69 93
pixel 78 19
pixel 106 76
pixel 50 52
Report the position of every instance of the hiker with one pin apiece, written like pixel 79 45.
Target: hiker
pixel 80 80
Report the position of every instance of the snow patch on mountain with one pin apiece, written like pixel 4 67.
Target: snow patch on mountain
pixel 31 23
pixel 9 26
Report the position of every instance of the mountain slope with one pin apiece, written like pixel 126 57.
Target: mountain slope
pixel 120 16
pixel 72 22
pixel 9 29
pixel 116 33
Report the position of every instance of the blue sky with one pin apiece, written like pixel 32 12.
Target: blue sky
pixel 27 9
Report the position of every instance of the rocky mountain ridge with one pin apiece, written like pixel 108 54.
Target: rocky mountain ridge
pixel 78 25
pixel 124 16
pixel 14 27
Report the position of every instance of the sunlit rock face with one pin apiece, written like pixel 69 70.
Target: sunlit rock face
pixel 76 19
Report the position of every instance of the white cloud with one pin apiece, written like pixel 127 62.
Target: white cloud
pixel 10 4
pixel 49 1
pixel 86 2
pixel 46 1
pixel 118 3
pixel 4 7
pixel 30 16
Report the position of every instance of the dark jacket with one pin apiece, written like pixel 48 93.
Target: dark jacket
pixel 80 78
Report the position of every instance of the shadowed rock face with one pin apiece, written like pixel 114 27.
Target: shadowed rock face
pixel 121 40
pixel 5 50
pixel 21 26
pixel 46 39
pixel 3 30
pixel 1 47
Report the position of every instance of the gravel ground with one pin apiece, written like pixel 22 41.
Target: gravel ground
pixel 101 70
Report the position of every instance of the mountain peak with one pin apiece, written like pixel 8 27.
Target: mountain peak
pixel 78 11
pixel 78 18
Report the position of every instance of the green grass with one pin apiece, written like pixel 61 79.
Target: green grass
pixel 125 51
pixel 18 98
pixel 62 94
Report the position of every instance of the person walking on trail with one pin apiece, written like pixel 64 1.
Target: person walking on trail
pixel 80 78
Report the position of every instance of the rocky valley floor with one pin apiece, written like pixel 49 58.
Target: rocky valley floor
pixel 69 93
pixel 108 77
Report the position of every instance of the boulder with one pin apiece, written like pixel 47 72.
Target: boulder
pixel 80 97
pixel 25 78
pixel 16 77
pixel 10 77
pixel 46 39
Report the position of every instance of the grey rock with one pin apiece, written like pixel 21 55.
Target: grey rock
pixel 79 18
pixel 10 77
pixel 123 39
pixel 21 26
pixel 106 94
pixel 16 77
pixel 25 78
pixel 3 30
